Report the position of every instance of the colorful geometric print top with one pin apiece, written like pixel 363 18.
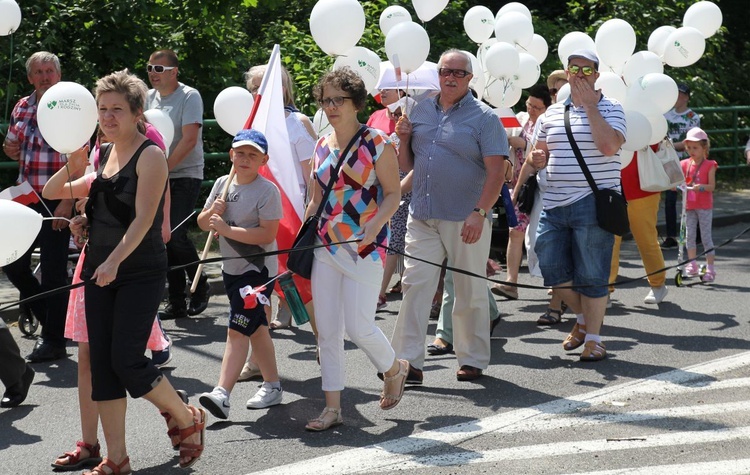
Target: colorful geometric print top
pixel 355 196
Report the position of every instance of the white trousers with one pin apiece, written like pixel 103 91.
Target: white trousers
pixel 343 304
pixel 434 240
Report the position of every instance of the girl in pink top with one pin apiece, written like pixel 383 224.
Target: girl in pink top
pixel 700 181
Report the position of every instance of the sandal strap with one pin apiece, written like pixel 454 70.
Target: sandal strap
pixel 116 469
pixel 74 456
pixel 402 371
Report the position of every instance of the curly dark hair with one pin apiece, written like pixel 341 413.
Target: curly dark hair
pixel 348 81
pixel 541 92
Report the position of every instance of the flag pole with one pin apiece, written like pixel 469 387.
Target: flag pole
pixel 248 124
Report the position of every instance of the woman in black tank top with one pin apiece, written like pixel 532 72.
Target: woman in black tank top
pixel 125 271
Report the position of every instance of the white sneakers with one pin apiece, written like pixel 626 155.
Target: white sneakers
pixel 266 396
pixel 217 402
pixel 656 295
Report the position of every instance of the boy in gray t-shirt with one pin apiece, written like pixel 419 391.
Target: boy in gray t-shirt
pixel 246 221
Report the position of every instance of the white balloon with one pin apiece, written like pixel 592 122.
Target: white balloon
pixel 704 16
pixel 612 86
pixel 337 25
pixel 21 227
pixel 163 123
pixel 514 28
pixel 502 60
pixel 615 69
pixel 685 46
pixel 320 124
pixel 514 7
pixel 477 79
pixel 615 42
pixel 659 128
pixel 657 41
pixel 10 17
pixel 639 131
pixel 479 23
pixel 528 71
pixel 364 62
pixel 571 42
pixel 652 94
pixel 409 42
pixel 501 92
pixel 538 48
pixel 67 116
pixel 391 16
pixel 482 50
pixel 640 64
pixel 428 9
pixel 563 93
pixel 232 108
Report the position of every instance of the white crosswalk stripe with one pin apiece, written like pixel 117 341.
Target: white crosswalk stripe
pixel 609 406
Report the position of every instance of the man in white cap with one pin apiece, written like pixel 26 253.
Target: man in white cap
pixel 572 249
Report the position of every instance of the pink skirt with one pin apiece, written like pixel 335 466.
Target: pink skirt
pixel 75 321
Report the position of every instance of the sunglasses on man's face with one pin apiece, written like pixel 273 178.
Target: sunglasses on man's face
pixel 587 70
pixel 158 68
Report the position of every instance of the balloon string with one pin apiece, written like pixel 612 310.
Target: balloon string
pixel 10 78
pixel 55 217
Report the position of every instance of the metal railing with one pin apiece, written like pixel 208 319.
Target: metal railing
pixel 728 127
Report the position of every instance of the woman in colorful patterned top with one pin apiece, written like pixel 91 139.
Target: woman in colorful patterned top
pixel 346 277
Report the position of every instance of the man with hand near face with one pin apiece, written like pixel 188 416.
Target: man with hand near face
pixel 37 162
pixel 456 147
pixel 572 249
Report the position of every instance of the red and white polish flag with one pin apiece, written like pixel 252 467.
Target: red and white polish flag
pixel 22 193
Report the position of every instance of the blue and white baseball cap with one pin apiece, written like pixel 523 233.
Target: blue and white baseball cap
pixel 251 137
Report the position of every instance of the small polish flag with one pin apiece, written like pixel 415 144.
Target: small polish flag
pixel 253 296
pixel 22 193
pixel 396 67
pixel 507 117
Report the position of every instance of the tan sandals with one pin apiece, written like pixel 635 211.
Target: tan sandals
pixel 396 398
pixel 575 338
pixel 593 351
pixel 319 424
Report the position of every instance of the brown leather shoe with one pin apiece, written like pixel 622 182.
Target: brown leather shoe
pixel 468 373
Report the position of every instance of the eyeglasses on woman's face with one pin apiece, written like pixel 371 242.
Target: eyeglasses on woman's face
pixel 336 101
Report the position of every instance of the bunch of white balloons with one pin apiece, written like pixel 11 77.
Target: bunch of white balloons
pixel 509 61
pixel 637 79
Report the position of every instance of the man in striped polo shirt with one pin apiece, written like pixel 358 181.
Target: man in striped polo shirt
pixel 456 147
pixel 572 249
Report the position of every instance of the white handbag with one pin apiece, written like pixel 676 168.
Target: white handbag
pixel 660 170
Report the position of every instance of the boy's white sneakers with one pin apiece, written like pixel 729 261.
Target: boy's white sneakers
pixel 656 295
pixel 266 396
pixel 217 403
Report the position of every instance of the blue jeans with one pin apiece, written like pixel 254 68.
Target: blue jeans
pixel 53 259
pixel 180 249
pixel 573 248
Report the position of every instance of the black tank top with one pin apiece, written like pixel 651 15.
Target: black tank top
pixel 110 210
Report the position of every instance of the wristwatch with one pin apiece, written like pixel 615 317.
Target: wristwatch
pixel 481 212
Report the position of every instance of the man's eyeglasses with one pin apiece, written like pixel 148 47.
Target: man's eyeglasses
pixel 158 68
pixel 587 70
pixel 337 101
pixel 456 73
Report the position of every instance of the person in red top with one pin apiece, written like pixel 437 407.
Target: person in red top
pixel 642 209
pixel 700 181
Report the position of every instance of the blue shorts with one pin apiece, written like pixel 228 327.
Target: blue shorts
pixel 241 319
pixel 571 247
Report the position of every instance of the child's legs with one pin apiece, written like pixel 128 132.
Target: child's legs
pixel 234 359
pixel 88 408
pixel 691 220
pixel 705 219
pixel 265 354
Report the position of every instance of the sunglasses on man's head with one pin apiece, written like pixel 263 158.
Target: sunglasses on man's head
pixel 158 68
pixel 587 70
pixel 456 73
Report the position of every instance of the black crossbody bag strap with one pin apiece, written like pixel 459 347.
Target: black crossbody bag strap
pixel 335 173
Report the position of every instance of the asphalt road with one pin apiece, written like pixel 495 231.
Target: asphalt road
pixel 671 398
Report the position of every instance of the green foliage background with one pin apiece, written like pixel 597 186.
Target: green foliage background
pixel 217 40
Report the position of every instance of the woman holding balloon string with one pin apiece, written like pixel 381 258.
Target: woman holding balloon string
pixel 124 271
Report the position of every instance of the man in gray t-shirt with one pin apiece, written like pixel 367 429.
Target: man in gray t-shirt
pixel 184 106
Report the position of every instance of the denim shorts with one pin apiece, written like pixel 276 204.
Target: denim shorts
pixel 571 247
pixel 246 320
